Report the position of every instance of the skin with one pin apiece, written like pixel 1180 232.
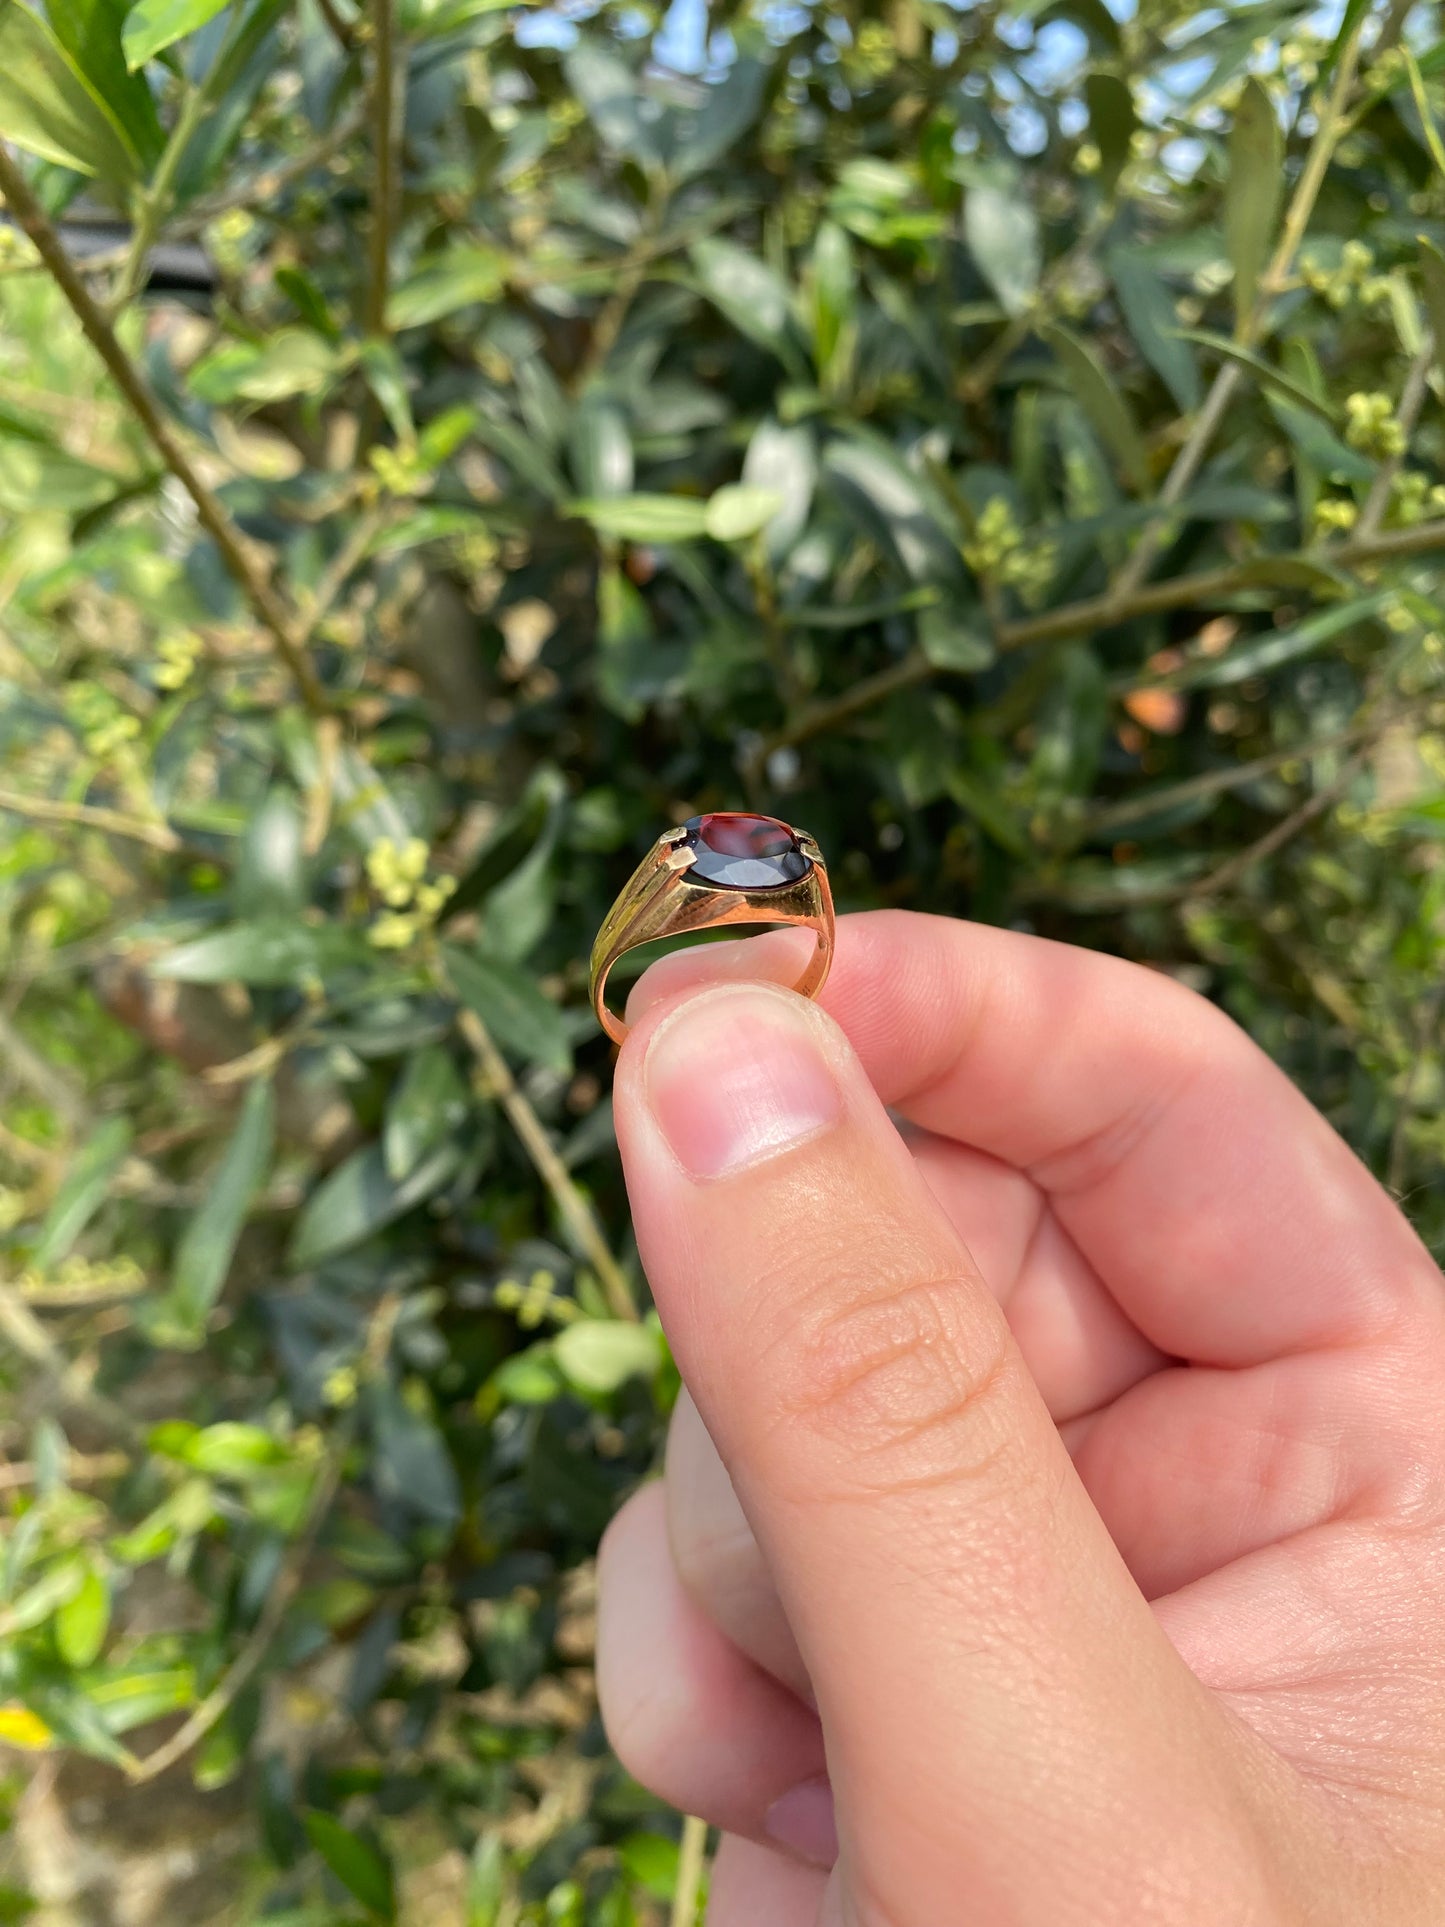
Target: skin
pixel 1053 1529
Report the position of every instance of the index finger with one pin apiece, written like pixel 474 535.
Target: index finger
pixel 1226 1217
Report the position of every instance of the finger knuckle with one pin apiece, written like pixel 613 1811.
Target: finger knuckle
pixel 907 1386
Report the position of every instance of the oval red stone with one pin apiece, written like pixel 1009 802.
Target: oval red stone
pixel 738 852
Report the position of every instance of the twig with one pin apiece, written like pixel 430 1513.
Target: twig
pixel 344 33
pixel 263 190
pixel 1105 612
pixel 23 1332
pixel 268 606
pixel 1187 462
pixel 347 558
pixel 631 272
pixel 1273 840
pixel 386 108
pixel 238 1675
pixel 1212 782
pixel 42 809
pixel 81 1468
pixel 154 201
pixel 691 1866
pixel 577 1213
pixel 1407 414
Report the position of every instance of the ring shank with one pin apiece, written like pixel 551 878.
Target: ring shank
pixel 662 901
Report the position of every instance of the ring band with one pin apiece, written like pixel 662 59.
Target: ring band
pixel 725 868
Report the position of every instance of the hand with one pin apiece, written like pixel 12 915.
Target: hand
pixel 1056 1530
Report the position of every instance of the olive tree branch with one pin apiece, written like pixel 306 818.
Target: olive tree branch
pixel 1328 133
pixel 343 31
pixel 1104 612
pixel 576 1212
pixel 268 606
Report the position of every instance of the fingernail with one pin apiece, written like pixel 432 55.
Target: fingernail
pixel 803 1822
pixel 737 1076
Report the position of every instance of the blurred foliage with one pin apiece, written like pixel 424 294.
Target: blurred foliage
pixel 1005 440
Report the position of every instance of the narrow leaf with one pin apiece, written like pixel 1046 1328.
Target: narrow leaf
pixel 1256 364
pixel 89 31
pixel 1271 648
pixel 1002 231
pixel 1094 389
pixel 1112 121
pixel 1252 195
pixel 1148 311
pixel 153 25
pixel 85 1189
pixel 646 518
pixel 521 1020
pixel 269 951
pixel 361 1867
pixel 83 1621
pixel 360 1198
pixel 739 510
pixel 1422 108
pixel 48 107
pixel 209 1241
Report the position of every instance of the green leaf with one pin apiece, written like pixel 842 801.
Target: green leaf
pixel 951 642
pixel 1002 232
pixel 650 1859
pixel 359 1864
pixel 48 107
pixel 1422 107
pixel 90 32
pixel 271 864
pixel 833 282
pixel 85 1189
pixel 892 503
pixel 1271 647
pixel 752 295
pixel 411 1465
pixel 1320 446
pixel 1112 121
pixel 609 91
pixel 461 276
pixel 731 107
pixel 153 25
pixel 486 1881
pixel 1148 311
pixel 83 1621
pixel 428 1106
pixel 294 361
pixel 1094 389
pixel 599 1355
pixel 38 475
pixel 646 518
pixel 600 451
pixel 1271 376
pixel 785 462
pixel 738 511
pixel 360 1198
pixel 520 1019
pixel 268 951
pixel 1252 195
pixel 203 1258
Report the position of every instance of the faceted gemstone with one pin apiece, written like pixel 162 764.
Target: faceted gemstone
pixel 736 852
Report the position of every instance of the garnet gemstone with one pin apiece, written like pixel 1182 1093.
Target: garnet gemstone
pixel 736 852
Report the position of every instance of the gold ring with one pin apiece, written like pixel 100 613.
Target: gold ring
pixel 714 870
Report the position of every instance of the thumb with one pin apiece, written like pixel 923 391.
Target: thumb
pixel 1010 1736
